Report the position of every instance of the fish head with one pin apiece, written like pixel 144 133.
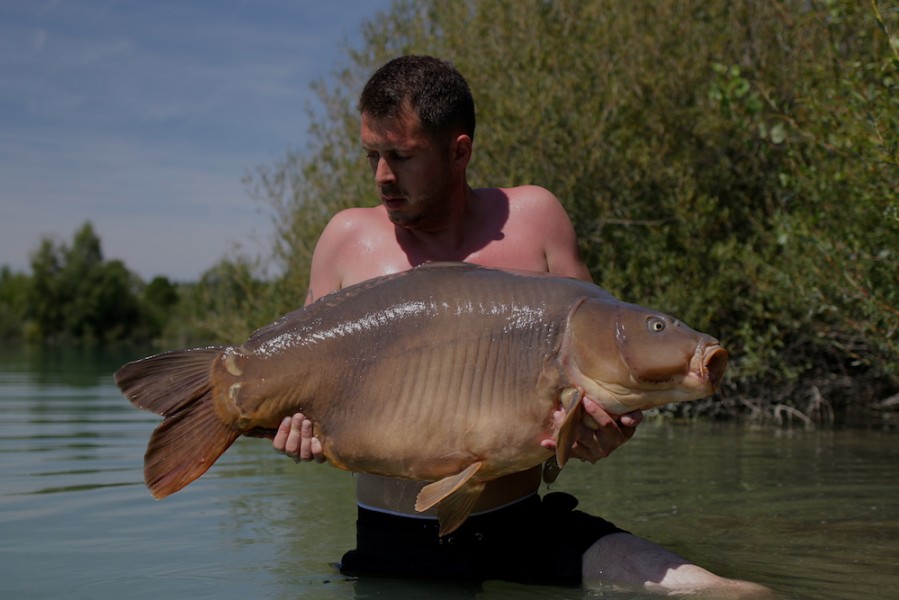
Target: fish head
pixel 628 357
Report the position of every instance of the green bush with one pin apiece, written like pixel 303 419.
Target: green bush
pixel 731 162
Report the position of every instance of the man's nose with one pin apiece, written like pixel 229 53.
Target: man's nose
pixel 383 173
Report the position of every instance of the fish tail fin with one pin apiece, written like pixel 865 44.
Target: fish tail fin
pixel 192 436
pixel 184 446
pixel 166 382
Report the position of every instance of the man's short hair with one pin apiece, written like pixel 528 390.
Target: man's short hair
pixel 434 88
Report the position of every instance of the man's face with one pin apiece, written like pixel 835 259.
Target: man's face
pixel 412 172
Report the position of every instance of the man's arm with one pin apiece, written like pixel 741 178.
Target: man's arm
pixel 599 433
pixel 548 221
pixel 295 437
pixel 326 270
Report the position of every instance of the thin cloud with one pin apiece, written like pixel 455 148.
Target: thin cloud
pixel 143 117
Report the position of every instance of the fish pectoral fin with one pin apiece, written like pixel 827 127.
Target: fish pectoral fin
pixel 453 510
pixel 574 412
pixel 551 469
pixel 433 493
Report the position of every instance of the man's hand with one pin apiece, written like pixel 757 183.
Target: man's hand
pixel 598 433
pixel 296 440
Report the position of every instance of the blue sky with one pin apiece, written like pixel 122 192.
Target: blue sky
pixel 143 116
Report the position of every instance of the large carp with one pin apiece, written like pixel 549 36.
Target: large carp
pixel 448 373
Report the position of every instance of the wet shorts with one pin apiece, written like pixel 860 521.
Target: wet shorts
pixel 531 541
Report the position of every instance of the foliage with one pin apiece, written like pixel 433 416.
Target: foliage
pixel 735 163
pixel 76 295
pixel 13 303
pixel 731 162
pixel 226 304
pixel 73 294
pixel 158 299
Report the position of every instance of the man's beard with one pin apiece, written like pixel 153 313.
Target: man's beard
pixel 429 212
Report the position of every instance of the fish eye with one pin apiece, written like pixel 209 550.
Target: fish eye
pixel 655 324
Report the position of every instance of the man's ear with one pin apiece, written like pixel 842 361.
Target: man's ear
pixel 460 152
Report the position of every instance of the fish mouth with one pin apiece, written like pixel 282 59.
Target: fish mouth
pixel 714 363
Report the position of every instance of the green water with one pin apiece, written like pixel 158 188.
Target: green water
pixel 812 514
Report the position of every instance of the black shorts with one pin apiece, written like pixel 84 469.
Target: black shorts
pixel 532 541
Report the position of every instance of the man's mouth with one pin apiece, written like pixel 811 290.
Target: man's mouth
pixel 392 201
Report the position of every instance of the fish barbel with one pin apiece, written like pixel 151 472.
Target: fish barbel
pixel 448 373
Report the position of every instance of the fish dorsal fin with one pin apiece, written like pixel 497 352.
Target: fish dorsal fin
pixel 433 493
pixel 453 511
pixel 551 469
pixel 574 411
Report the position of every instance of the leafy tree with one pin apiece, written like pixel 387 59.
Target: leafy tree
pixel 46 298
pixel 158 299
pixel 730 162
pixel 13 303
pixel 76 295
pixel 227 304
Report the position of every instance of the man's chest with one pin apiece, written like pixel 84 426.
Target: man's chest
pixel 372 264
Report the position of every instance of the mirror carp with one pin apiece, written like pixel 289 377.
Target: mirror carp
pixel 448 373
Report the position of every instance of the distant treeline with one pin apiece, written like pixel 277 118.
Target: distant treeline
pixel 74 296
pixel 732 162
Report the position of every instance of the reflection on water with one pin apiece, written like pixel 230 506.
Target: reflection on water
pixel 813 514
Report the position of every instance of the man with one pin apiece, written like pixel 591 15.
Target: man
pixel 418 124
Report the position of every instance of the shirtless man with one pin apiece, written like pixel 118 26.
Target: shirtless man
pixel 417 129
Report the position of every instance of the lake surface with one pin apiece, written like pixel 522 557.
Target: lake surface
pixel 813 514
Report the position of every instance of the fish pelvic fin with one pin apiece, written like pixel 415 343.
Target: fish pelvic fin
pixel 456 496
pixel 454 510
pixel 192 437
pixel 574 412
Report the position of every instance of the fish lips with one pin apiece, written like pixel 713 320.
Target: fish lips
pixel 713 363
pixel 703 371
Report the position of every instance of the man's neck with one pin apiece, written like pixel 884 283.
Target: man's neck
pixel 449 240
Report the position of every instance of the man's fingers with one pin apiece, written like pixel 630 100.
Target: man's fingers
pixel 280 439
pixel 629 422
pixel 296 438
pixel 631 419
pixel 315 447
pixel 595 417
pixel 294 445
pixel 310 446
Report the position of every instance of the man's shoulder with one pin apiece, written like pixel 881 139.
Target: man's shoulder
pixel 519 191
pixel 527 197
pixel 352 217
pixel 527 205
pixel 357 222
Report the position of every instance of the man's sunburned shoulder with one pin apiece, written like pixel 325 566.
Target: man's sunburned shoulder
pixel 356 217
pixel 531 199
pixel 353 226
pixel 357 244
pixel 519 192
